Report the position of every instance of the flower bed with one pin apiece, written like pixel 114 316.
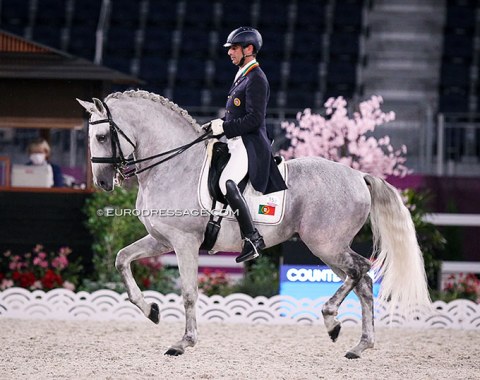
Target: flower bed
pixel 39 270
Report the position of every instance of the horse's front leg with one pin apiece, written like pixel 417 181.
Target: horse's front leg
pixel 145 247
pixel 187 258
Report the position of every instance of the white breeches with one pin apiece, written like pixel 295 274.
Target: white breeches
pixel 237 166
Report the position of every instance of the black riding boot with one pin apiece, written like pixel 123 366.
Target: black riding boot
pixel 253 241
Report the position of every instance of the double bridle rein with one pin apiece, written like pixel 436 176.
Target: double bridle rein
pixel 123 165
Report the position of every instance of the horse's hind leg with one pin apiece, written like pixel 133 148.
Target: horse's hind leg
pixel 364 291
pixel 145 247
pixel 352 268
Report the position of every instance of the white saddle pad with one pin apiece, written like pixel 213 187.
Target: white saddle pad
pixel 265 209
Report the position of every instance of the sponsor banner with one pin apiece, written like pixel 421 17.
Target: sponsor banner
pixel 313 281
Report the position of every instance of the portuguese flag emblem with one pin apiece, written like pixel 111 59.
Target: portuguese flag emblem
pixel 266 210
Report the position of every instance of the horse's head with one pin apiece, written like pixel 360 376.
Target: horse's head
pixel 108 146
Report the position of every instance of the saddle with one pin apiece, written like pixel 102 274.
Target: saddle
pixel 219 160
pixel 220 157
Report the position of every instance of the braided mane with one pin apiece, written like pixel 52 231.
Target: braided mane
pixel 157 98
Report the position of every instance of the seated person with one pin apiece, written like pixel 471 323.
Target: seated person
pixel 39 154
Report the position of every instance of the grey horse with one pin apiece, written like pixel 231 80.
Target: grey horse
pixel 326 205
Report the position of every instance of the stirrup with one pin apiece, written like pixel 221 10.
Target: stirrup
pixel 251 249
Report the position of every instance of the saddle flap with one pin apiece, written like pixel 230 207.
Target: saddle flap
pixel 220 157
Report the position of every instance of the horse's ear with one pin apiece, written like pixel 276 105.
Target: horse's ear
pixel 89 107
pixel 99 106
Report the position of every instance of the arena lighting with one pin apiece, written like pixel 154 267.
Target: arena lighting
pixel 313 281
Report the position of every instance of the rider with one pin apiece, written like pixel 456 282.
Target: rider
pixel 245 129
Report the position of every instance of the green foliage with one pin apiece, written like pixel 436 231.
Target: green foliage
pixel 111 233
pixel 112 229
pixel 261 279
pixel 454 236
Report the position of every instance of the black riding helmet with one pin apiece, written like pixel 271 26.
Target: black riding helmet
pixel 245 36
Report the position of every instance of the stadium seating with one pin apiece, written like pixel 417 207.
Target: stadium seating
pixel 158 42
pixel 154 70
pixel 187 96
pixel 457 56
pixel 273 18
pixel 272 69
pixel 311 16
pixel 235 14
pixel 162 14
pixel 195 43
pixel 15 15
pixel 124 14
pixel 199 15
pixel 84 25
pixel 191 72
pixel 51 12
pixel 348 16
pixel 178 46
pixel 299 80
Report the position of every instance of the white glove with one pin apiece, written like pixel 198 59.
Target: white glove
pixel 217 127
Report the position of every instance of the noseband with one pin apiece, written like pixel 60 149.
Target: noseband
pixel 122 165
pixel 119 162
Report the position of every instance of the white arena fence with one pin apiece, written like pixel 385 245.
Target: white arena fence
pixel 63 304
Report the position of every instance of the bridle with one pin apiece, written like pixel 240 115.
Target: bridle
pixel 123 165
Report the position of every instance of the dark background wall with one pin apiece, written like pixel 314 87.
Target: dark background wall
pixel 53 219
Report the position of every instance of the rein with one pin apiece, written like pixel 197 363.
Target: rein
pixel 122 165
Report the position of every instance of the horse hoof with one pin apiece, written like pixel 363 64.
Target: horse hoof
pixel 351 355
pixel 154 315
pixel 335 332
pixel 174 352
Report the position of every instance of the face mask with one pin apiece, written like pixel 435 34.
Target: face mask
pixel 38 158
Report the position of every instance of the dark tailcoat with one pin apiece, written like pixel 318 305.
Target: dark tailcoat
pixel 245 116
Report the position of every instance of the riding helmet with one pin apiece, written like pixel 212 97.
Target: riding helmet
pixel 245 36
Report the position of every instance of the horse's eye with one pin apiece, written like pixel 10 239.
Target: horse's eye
pixel 101 138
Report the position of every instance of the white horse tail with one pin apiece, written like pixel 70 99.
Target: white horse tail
pixel 399 260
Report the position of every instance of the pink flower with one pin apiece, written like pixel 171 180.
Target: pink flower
pixel 60 262
pixel 38 248
pixel 39 262
pixel 65 251
pixel 37 285
pixel 42 255
pixel 6 283
pixel 68 285
pixel 337 137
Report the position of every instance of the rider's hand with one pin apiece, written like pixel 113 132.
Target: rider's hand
pixel 217 126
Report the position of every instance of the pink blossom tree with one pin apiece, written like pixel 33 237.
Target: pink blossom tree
pixel 340 138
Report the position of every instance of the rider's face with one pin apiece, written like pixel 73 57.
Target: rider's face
pixel 235 52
